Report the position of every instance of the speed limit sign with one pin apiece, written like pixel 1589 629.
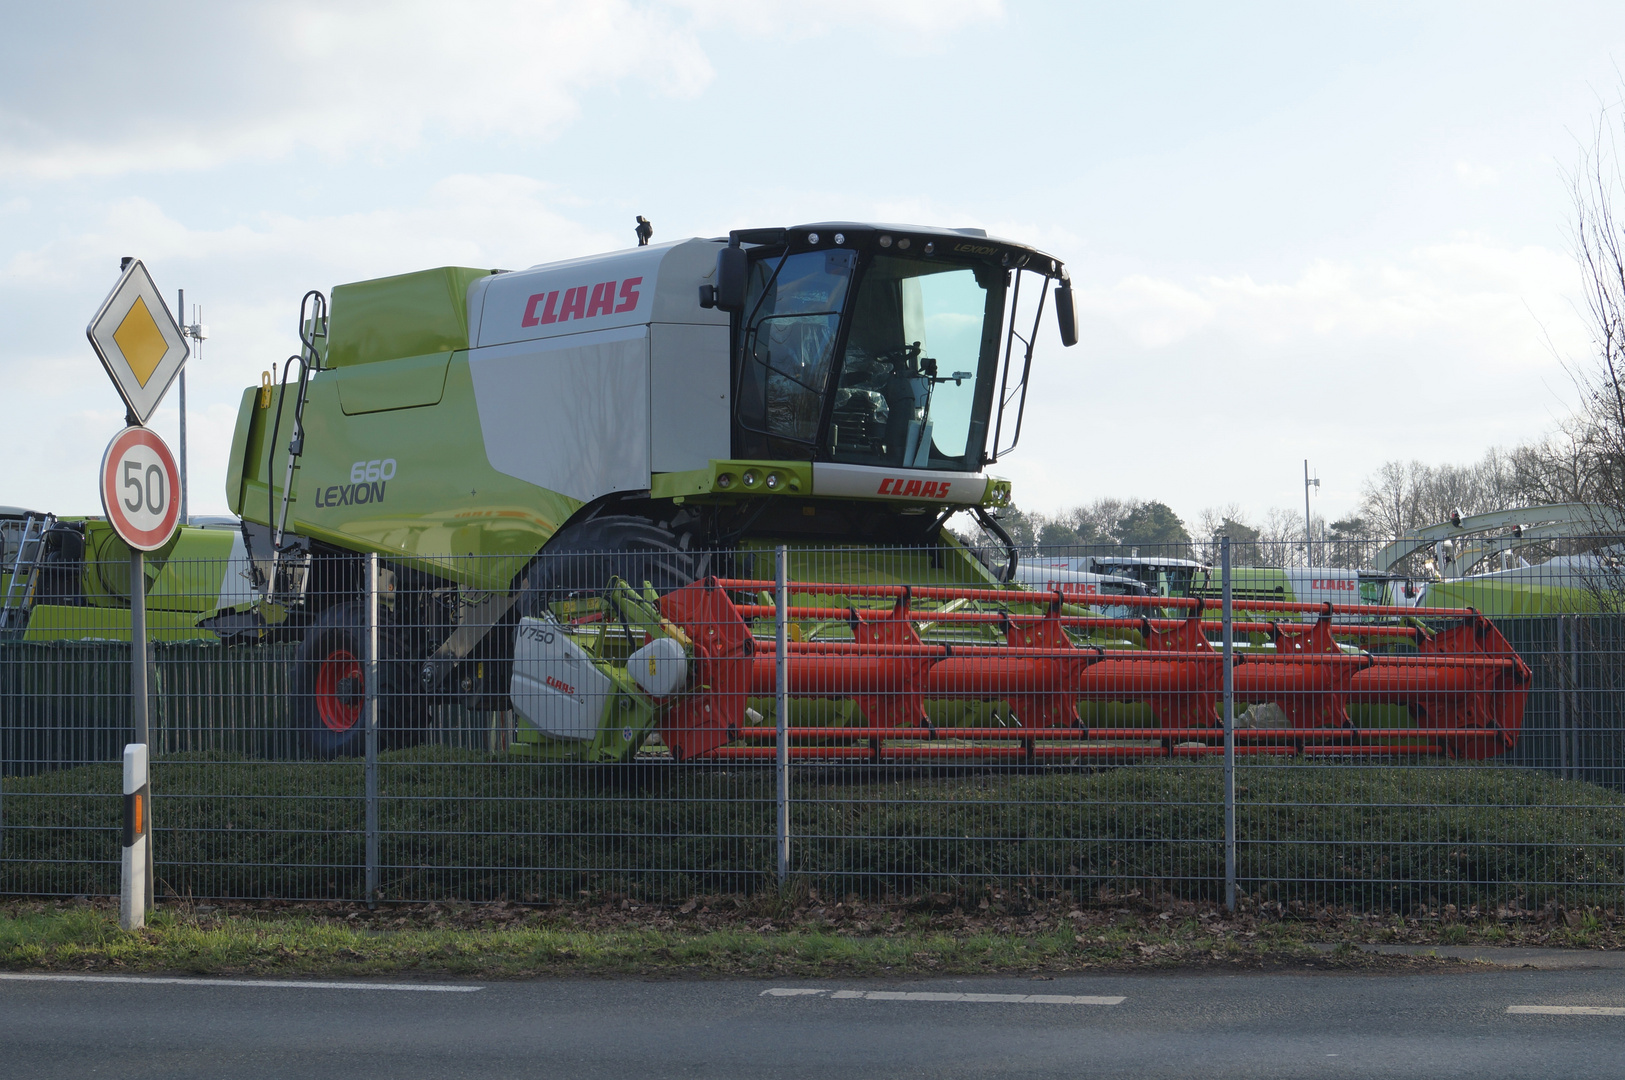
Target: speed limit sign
pixel 141 488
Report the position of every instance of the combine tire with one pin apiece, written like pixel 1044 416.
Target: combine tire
pixel 581 560
pixel 328 690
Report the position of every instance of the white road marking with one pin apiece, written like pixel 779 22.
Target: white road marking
pixel 283 984
pixel 931 995
pixel 1565 1010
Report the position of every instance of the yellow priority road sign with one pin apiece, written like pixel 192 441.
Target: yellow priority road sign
pixel 138 341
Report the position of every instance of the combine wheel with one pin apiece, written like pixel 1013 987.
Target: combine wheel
pixel 581 560
pixel 328 690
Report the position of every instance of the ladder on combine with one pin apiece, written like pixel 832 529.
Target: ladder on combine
pixel 24 572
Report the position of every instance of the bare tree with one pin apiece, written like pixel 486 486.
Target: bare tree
pixel 1599 248
pixel 1402 496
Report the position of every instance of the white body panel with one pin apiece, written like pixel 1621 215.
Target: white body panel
pixel 915 485
pixel 570 415
pixel 593 373
pixel 1322 585
pixel 689 418
pixel 1039 575
pixel 555 685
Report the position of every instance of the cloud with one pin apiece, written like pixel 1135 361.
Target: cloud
pixel 1153 312
pixel 176 86
pixel 1183 386
pixel 1476 175
pixel 493 219
pixel 1495 297
pixel 249 278
pixel 797 18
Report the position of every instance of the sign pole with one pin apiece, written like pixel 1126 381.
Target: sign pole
pixel 138 645
pixel 139 698
pixel 143 495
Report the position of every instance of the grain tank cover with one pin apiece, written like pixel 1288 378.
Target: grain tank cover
pixel 405 315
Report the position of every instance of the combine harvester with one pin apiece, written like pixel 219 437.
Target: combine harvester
pixel 575 477
pixel 1483 560
pixel 68 579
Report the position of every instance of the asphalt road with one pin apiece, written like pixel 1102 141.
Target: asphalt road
pixel 1195 1025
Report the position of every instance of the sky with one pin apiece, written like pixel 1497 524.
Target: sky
pixel 1334 232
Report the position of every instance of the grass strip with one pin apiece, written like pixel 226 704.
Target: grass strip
pixel 460 825
pixel 725 937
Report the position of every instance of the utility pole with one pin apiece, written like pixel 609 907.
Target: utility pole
pixel 186 487
pixel 1308 526
pixel 197 332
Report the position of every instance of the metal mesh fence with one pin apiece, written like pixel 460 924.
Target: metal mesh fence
pixel 611 721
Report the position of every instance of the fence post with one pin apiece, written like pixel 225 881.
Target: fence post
pixel 1229 729
pixel 781 702
pixel 370 718
pixel 1576 714
pixel 1562 701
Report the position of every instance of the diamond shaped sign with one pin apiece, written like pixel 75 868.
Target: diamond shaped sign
pixel 138 341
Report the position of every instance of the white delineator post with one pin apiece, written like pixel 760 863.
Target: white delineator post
pixel 133 875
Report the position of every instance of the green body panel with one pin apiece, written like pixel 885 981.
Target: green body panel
pixel 60 622
pixel 443 497
pixel 402 384
pixel 405 315
pixel 239 448
pixel 1250 583
pixel 1511 598
pixel 866 566
pixel 796 477
pixel 183 575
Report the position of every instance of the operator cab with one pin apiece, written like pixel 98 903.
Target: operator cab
pixel 1162 576
pixel 880 345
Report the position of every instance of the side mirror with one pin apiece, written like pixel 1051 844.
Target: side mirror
pixel 729 292
pixel 1066 314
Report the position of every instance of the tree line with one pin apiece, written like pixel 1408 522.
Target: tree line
pixel 1580 462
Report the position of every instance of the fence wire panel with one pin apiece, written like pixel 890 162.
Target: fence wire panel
pixel 605 720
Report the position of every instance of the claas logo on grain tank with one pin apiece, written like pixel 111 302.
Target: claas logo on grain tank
pixel 1333 583
pixel 925 489
pixel 582 302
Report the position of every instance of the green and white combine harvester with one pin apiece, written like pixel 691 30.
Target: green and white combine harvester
pixel 575 477
pixel 68 578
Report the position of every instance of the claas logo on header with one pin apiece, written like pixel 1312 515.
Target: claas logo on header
pixel 582 302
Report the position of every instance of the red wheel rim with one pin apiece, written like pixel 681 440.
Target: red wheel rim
pixel 335 712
